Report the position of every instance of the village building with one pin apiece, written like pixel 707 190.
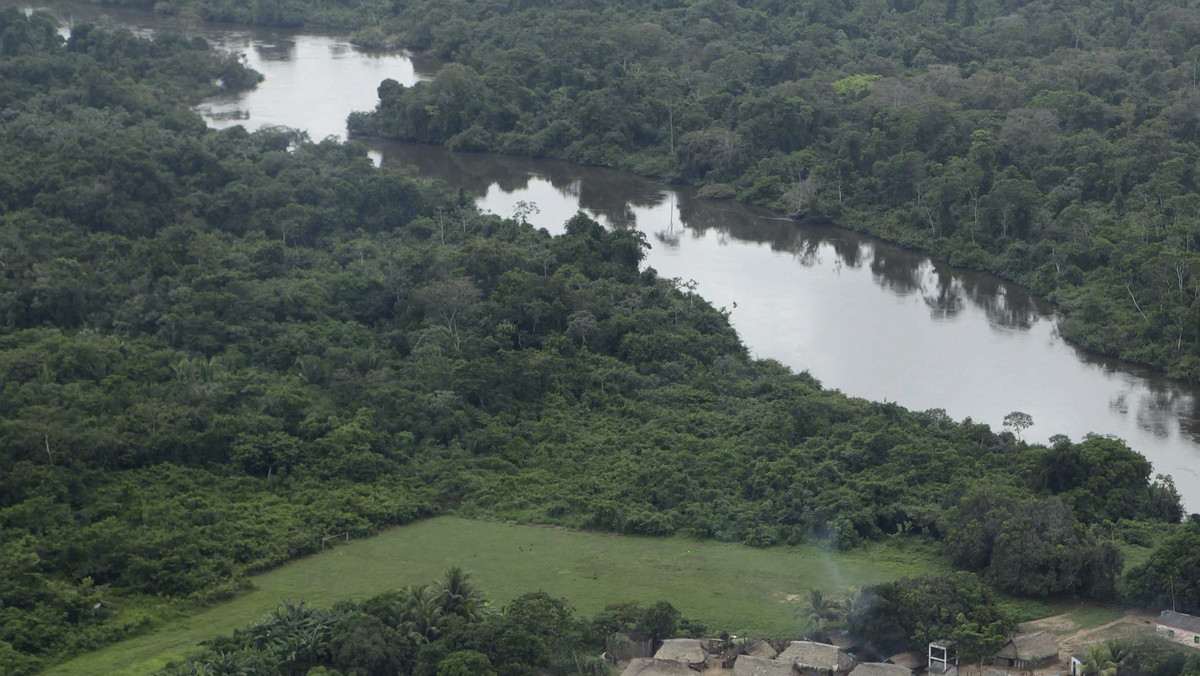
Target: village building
pixel 1179 628
pixel 620 647
pixel 762 649
pixel 687 651
pixel 881 669
pixel 648 666
pixel 749 665
pixel 912 659
pixel 1028 651
pixel 817 659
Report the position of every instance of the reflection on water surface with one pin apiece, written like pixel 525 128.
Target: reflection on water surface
pixel 864 317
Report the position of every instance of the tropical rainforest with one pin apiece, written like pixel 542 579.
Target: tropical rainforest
pixel 218 348
pixel 1052 142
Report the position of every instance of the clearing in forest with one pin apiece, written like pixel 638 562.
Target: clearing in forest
pixel 728 586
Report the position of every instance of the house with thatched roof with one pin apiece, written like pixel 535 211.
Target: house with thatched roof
pixel 881 669
pixel 1028 651
pixel 762 649
pixel 648 666
pixel 622 647
pixel 912 659
pixel 1179 628
pixel 687 651
pixel 817 659
pixel 749 665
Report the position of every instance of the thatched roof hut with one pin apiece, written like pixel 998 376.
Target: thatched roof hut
pixel 911 659
pixel 1029 651
pixel 817 657
pixel 762 649
pixel 881 669
pixel 648 666
pixel 749 665
pixel 682 650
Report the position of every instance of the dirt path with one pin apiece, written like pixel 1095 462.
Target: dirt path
pixel 1078 641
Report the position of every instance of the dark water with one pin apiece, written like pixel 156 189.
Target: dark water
pixel 867 318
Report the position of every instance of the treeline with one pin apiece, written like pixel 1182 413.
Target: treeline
pixel 1054 143
pixel 443 629
pixel 217 348
pixel 447 629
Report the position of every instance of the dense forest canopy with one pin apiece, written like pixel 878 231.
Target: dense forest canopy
pixel 1051 142
pixel 217 348
pixel 1054 143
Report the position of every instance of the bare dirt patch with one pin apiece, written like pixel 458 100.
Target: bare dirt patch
pixel 1057 624
pixel 1135 620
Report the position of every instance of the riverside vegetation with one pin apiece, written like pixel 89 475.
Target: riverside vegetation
pixel 217 348
pixel 1051 142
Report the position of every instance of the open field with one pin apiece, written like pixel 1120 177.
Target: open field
pixel 728 586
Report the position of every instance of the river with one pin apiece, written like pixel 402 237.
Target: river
pixel 864 317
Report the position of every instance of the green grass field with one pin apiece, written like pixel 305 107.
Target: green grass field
pixel 732 587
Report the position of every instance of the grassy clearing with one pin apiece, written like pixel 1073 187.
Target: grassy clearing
pixel 728 586
pixel 1136 555
pixel 1095 616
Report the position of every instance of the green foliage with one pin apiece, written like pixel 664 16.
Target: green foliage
pixel 657 622
pixel 1171 577
pixel 1029 547
pixel 1024 139
pixel 362 639
pixel 1142 655
pixel 219 349
pixel 910 613
pixel 1103 480
pixel 855 84
pixel 465 663
pixel 543 616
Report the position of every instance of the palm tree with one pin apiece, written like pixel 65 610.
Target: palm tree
pixel 851 602
pixel 421 613
pixel 820 608
pixel 458 595
pixel 1105 659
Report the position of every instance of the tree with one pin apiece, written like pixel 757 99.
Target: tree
pixel 465 663
pixel 909 613
pixel 364 642
pixel 659 621
pixel 451 300
pixel 267 453
pixel 542 615
pixel 1105 659
pixel 523 210
pixel 1171 577
pixel 820 609
pixel 421 614
pixel 580 324
pixel 458 594
pixel 1018 421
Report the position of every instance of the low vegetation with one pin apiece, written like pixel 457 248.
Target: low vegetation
pixel 731 587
